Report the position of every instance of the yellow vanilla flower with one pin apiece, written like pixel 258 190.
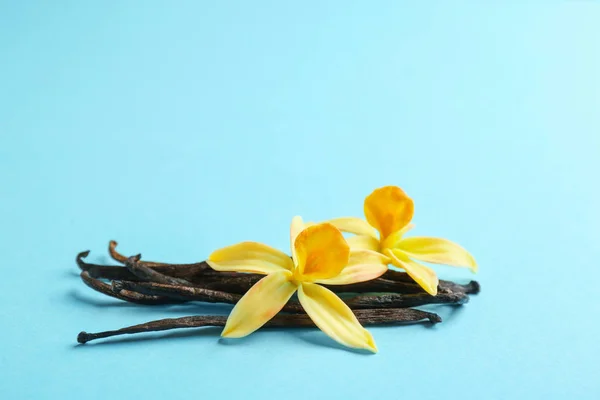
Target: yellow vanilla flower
pixel 320 254
pixel 388 210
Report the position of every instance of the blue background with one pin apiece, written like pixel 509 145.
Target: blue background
pixel 180 127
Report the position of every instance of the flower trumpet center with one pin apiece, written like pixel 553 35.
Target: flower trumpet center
pixel 296 277
pixel 389 242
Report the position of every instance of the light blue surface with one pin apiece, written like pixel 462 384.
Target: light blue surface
pixel 178 129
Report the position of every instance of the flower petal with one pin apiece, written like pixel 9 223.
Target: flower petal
pixel 363 242
pixel 407 228
pixel 354 225
pixel 363 265
pixel 388 209
pixel 296 227
pixel 250 257
pixel 261 303
pixel 437 251
pixel 321 251
pixel 424 276
pixel 334 317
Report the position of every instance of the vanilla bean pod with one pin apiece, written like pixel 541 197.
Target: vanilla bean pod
pixel 387 300
pixel 150 293
pixel 176 270
pixel 126 295
pixel 366 317
pixel 472 287
pixel 177 292
pixel 110 272
pixel 183 271
pixel 148 274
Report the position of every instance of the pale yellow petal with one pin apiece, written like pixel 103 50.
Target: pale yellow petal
pixel 406 229
pixel 388 209
pixel 261 303
pixel 250 257
pixel 334 317
pixel 437 251
pixel 321 251
pixel 424 276
pixel 363 242
pixel 363 265
pixel 357 226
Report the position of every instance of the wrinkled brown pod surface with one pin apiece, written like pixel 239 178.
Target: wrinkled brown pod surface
pixel 366 317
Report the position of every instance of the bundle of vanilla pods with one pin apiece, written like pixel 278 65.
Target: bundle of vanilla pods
pixel 383 301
